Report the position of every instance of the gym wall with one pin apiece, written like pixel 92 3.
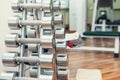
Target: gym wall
pixel 116 7
pixel 5 13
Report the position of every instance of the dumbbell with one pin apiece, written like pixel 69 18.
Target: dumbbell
pixel 62 73
pixel 46 5
pixel 62 59
pixel 13 76
pixel 12 60
pixel 56 5
pixel 34 47
pixel 58 19
pixel 44 56
pixel 43 71
pixel 59 33
pixel 16 23
pixel 60 43
pixel 14 40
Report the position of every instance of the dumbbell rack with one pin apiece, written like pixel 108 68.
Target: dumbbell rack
pixel 37 58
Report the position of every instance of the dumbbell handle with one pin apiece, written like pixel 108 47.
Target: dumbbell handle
pixel 33 22
pixel 32 6
pixel 27 60
pixel 28 40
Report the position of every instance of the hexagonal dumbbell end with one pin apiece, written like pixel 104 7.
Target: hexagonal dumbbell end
pixel 11 40
pixel 7 75
pixel 8 59
pixel 13 23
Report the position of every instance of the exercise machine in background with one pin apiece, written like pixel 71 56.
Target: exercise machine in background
pixel 102 27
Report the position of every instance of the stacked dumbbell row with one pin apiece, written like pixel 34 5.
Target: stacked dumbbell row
pixel 42 44
pixel 18 42
pixel 62 57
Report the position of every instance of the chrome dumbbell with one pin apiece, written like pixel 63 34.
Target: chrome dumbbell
pixel 59 33
pixel 18 7
pixel 12 60
pixel 56 5
pixel 44 56
pixel 14 40
pixel 60 43
pixel 13 76
pixel 58 19
pixel 43 71
pixel 63 73
pixel 45 5
pixel 62 59
pixel 46 49
pixel 16 23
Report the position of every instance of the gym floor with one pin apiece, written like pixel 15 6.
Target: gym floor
pixel 104 61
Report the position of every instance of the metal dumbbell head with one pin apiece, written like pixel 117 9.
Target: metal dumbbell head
pixel 31 33
pixel 7 75
pixel 63 73
pixel 16 8
pixel 62 59
pixel 33 47
pixel 10 40
pixel 58 19
pixel 8 59
pixel 33 71
pixel 13 23
pixel 56 5
pixel 44 57
pixel 13 76
pixel 44 71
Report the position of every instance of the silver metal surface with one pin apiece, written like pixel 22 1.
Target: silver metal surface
pixel 13 76
pixel 16 23
pixel 11 59
pixel 13 23
pixel 10 40
pixel 58 19
pixel 31 33
pixel 8 59
pixel 14 40
pixel 63 73
pixel 33 47
pixel 7 75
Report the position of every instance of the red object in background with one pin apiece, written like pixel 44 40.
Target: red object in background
pixel 70 44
